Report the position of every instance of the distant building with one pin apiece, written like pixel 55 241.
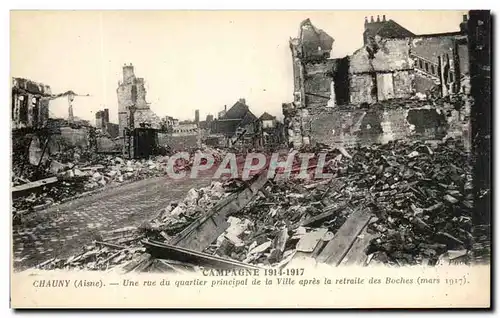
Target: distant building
pixel 103 124
pixel 269 132
pixel 236 125
pixel 206 124
pixel 167 124
pixel 268 121
pixel 180 135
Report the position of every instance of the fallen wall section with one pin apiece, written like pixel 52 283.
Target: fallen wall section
pixel 380 123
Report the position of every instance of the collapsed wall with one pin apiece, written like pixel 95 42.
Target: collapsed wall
pixel 380 123
pixel 378 94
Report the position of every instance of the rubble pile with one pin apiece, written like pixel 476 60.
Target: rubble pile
pixel 267 230
pixel 49 194
pixel 87 174
pixel 217 153
pixel 117 170
pixel 421 195
pixel 24 173
pixel 110 249
pixel 418 195
pixel 178 215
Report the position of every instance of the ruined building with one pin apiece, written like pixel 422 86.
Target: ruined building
pixel 102 123
pixel 331 94
pixel 102 118
pixel 268 132
pixel 133 110
pixel 395 63
pixel 30 104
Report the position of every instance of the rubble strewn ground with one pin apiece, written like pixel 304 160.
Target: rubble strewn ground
pixel 80 174
pixel 420 194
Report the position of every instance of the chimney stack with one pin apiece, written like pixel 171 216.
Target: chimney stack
pixel 197 116
pixel 371 19
pixel 383 18
pixel 366 20
pixel 106 115
pixel 243 101
pixel 378 18
pixel 225 107
pixel 128 73
pixel 465 17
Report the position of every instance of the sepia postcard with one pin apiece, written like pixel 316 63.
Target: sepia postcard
pixel 250 159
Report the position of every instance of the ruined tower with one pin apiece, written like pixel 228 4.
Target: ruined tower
pixel 312 73
pixel 131 92
pixel 311 46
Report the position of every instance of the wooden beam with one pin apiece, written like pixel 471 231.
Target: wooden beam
pixel 317 95
pixel 33 185
pixel 203 231
pixel 357 253
pixel 166 251
pixel 339 246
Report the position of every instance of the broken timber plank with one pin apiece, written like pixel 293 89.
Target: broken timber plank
pixel 357 254
pixel 339 246
pixel 309 246
pixel 33 185
pixel 166 251
pixel 328 212
pixel 203 231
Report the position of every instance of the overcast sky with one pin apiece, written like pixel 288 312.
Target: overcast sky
pixel 189 59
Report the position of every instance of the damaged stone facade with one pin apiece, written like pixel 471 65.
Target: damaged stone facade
pixel 131 93
pixel 441 61
pixel 30 104
pixel 361 98
pixel 382 73
pixel 413 119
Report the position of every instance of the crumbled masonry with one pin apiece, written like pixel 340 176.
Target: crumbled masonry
pixel 418 193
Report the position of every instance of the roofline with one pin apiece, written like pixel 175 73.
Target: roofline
pixel 430 35
pixel 391 20
pixel 228 119
pixel 382 26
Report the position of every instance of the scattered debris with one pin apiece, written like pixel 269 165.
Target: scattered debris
pixel 81 175
pixel 384 204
